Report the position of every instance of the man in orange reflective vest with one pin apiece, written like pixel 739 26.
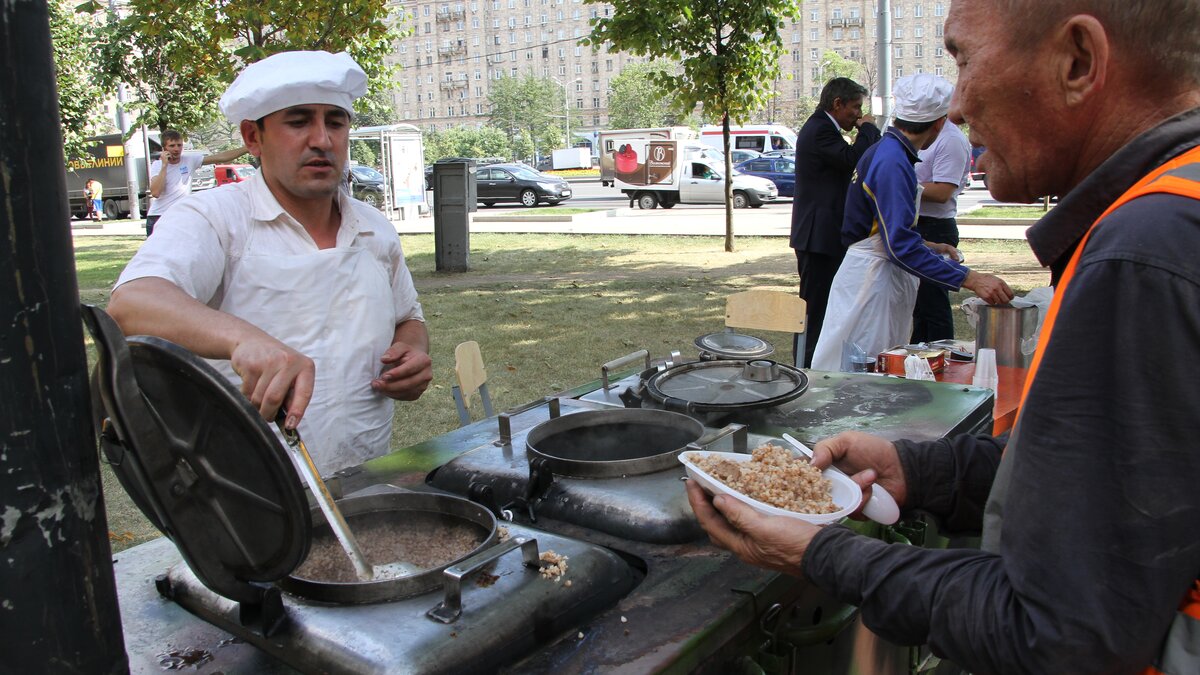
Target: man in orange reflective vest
pixel 1090 511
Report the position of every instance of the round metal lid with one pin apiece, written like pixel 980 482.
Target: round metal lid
pixel 200 461
pixel 729 345
pixel 710 386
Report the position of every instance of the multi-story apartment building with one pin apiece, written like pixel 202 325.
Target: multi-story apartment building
pixel 459 48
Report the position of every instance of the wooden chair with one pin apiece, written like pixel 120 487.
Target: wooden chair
pixel 471 377
pixel 760 309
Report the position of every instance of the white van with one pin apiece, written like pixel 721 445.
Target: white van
pixel 758 137
pixel 655 173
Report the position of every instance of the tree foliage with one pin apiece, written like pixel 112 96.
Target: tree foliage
pixel 534 105
pixel 729 52
pixel 80 95
pixel 635 101
pixel 178 55
pixel 466 142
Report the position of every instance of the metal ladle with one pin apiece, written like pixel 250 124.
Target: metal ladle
pixel 337 523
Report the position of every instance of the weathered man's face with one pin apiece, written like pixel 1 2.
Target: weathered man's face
pixel 1004 95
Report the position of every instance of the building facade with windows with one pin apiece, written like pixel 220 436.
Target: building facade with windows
pixel 458 49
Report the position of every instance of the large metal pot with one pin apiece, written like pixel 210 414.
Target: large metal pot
pixel 612 443
pixel 399 509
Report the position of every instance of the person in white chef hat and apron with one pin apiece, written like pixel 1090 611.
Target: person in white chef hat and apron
pixel 296 291
pixel 872 297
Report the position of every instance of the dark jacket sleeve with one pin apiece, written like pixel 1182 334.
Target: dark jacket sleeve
pixel 837 152
pixel 951 477
pixel 1099 537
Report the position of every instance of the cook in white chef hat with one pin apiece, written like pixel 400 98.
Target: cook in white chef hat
pixel 922 97
pixel 293 78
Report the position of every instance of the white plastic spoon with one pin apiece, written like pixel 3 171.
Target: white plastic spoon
pixel 881 507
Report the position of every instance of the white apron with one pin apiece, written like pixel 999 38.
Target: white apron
pixel 870 304
pixel 336 307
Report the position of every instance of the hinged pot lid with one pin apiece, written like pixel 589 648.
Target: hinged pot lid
pixel 199 461
pixel 730 345
pixel 711 386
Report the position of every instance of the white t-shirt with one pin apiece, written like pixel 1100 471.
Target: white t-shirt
pixel 179 181
pixel 946 161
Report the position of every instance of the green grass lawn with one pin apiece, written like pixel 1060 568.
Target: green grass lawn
pixel 1033 212
pixel 548 310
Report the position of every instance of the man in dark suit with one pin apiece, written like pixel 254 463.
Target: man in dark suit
pixel 824 162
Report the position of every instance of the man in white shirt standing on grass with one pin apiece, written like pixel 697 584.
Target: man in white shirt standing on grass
pixel 171 174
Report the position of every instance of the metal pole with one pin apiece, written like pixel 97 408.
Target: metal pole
pixel 131 177
pixel 884 45
pixel 59 600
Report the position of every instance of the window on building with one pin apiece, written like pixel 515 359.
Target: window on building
pixel 578 51
pixel 918 49
pixel 426 10
pixel 837 13
pixel 918 11
pixel 899 71
pixel 813 14
pixel 937 71
pixel 939 9
pixel 579 103
pixel 562 70
pixel 918 31
pixel 812 34
pixel 795 56
pixel 939 52
pixel 837 33
pixel 898 32
pixel 578 68
pixel 898 11
pixel 427 29
pixel 898 51
pixel 608 65
pixel 812 54
pixel 938 30
pixel 855 34
pixel 595 103
pixel 853 12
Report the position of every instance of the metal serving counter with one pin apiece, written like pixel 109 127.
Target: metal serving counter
pixel 694 608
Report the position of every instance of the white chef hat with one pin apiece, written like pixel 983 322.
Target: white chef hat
pixel 288 79
pixel 922 97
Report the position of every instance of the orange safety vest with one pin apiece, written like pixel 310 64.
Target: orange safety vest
pixel 1180 653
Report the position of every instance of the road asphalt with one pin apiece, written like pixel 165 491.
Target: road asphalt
pixel 695 221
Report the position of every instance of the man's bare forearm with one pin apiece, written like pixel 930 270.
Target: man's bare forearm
pixel 938 192
pixel 159 180
pixel 155 306
pixel 224 157
pixel 414 333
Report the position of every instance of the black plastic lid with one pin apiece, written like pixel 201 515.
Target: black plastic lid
pixel 199 461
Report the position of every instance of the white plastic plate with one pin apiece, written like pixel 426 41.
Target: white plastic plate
pixel 845 493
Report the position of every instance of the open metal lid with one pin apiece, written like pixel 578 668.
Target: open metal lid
pixel 730 345
pixel 199 461
pixel 711 386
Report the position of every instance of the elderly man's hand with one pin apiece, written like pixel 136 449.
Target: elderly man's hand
pixel 274 374
pixel 772 542
pixel 407 372
pixel 866 459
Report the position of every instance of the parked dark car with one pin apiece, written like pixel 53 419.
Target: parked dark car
pixel 739 156
pixel 519 183
pixel 368 186
pixel 976 174
pixel 778 170
pixel 786 152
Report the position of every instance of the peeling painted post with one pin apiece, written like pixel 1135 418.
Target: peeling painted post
pixel 58 600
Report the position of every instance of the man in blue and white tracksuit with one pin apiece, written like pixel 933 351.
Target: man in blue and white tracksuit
pixel 872 297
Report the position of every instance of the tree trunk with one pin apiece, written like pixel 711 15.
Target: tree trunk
pixel 728 185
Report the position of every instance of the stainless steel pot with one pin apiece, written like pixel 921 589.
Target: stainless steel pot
pixel 614 443
pixel 397 508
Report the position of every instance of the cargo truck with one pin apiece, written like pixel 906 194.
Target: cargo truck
pixel 610 142
pixel 104 160
pixel 666 173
